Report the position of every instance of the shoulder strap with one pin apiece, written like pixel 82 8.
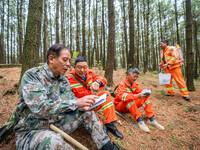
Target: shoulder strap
pixel 129 87
pixel 79 81
pixel 57 84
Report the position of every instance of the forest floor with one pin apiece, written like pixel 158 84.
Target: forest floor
pixel 181 119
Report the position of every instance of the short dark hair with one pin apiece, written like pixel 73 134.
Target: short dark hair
pixel 55 50
pixel 164 41
pixel 80 59
pixel 133 70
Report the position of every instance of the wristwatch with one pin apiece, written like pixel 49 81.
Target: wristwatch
pixel 98 82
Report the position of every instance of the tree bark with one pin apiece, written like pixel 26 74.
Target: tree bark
pixel 138 35
pixel 176 16
pixel 159 11
pixel 70 24
pixel 83 29
pixel 33 35
pixel 125 32
pixel 111 44
pixel 57 22
pixel 45 32
pixel 104 39
pixel 77 27
pixel 89 36
pixel 2 51
pixel 197 60
pixel 62 12
pixel 131 54
pixel 8 26
pixel 189 56
pixel 20 32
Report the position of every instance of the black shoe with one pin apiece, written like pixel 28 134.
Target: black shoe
pixel 116 147
pixel 187 98
pixel 168 95
pixel 110 146
pixel 113 130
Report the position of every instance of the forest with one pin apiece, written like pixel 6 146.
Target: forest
pixel 130 31
pixel 114 35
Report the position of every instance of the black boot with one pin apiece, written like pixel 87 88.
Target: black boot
pixel 186 98
pixel 111 127
pixel 110 146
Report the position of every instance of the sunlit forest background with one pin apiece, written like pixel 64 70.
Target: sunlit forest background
pixel 110 34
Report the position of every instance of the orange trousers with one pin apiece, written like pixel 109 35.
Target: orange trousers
pixel 108 108
pixel 133 106
pixel 177 76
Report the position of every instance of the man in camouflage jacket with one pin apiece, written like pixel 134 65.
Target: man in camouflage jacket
pixel 46 92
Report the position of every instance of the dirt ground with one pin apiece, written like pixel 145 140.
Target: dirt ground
pixel 181 119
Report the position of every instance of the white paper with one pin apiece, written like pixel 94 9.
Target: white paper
pixel 99 101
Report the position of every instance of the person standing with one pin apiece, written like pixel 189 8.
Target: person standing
pixel 171 63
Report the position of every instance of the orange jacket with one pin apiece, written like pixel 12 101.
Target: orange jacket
pixel 125 94
pixel 78 89
pixel 171 57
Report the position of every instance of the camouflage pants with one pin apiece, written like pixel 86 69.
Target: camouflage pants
pixel 47 139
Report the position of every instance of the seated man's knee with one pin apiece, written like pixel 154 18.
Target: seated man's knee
pixel 50 140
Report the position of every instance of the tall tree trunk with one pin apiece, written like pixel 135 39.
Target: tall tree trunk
pixel 89 35
pixel 57 22
pixel 95 33
pixel 138 35
pixel 14 52
pixel 147 52
pixel 189 56
pixel 197 60
pixel 8 25
pixel 33 35
pixel 50 24
pixel 145 39
pixel 104 39
pixel 20 32
pixel 2 51
pixel 123 52
pixel 45 32
pixel 152 47
pixel 176 16
pixel 11 44
pixel 131 36
pixel 62 12
pixel 94 45
pixel 83 29
pixel 111 44
pixel 77 26
pixel 70 24
pixel 125 32
pixel 161 35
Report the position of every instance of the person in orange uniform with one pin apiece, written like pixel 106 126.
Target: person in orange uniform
pixel 92 83
pixel 130 97
pixel 171 63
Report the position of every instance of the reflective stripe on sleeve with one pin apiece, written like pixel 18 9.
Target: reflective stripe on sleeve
pixel 107 106
pixel 124 96
pixel 185 89
pixel 74 86
pixel 129 105
pixel 146 103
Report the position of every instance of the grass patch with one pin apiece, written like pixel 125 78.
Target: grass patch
pixel 128 132
pixel 162 92
pixel 171 126
pixel 186 110
pixel 120 143
pixel 176 141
